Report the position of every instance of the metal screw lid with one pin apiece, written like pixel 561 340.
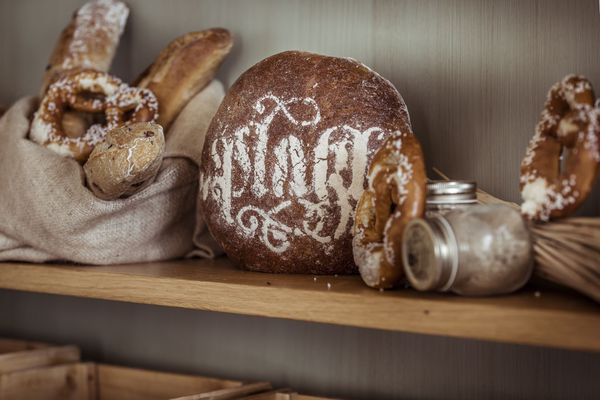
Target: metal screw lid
pixel 451 187
pixel 451 192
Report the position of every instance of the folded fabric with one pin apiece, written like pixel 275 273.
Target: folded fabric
pixel 48 214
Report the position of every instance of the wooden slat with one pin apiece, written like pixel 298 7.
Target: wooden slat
pixel 549 318
pixel 281 394
pixel 116 383
pixel 230 393
pixel 63 382
pixel 42 357
pixel 273 395
pixel 14 345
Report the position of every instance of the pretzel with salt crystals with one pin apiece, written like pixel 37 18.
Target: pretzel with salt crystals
pixel 91 92
pixel 570 120
pixel 395 195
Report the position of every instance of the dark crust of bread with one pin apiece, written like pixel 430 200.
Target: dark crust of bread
pixel 184 68
pixel 347 95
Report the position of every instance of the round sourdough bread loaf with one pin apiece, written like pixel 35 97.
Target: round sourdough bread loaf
pixel 285 159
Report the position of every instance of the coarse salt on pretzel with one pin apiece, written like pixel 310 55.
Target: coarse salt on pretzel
pixel 91 92
pixel 131 104
pixel 395 195
pixel 570 120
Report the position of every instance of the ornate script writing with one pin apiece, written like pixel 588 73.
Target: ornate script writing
pixel 294 179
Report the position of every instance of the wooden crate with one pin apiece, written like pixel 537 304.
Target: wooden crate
pixel 89 381
pixel 281 394
pixel 19 355
pixel 33 370
pixel 74 381
pixel 119 383
pixel 252 392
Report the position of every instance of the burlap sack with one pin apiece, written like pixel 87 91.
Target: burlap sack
pixel 47 213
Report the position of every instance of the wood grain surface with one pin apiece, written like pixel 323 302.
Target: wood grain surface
pixel 15 345
pixel 34 358
pixel 61 382
pixel 119 383
pixel 235 393
pixel 556 319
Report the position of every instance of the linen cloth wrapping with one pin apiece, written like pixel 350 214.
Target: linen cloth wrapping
pixel 48 214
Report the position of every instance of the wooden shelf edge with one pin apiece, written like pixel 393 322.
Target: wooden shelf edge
pixel 553 319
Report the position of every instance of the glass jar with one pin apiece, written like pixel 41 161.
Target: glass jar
pixel 480 250
pixel 443 196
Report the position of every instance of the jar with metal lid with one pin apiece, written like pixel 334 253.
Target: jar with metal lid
pixel 443 196
pixel 480 250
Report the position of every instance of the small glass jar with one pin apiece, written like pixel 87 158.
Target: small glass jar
pixel 443 196
pixel 480 250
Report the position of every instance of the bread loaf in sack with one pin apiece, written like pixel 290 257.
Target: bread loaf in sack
pixel 47 213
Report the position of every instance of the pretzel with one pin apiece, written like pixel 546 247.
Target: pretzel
pixel 395 195
pixel 131 104
pixel 91 92
pixel 570 120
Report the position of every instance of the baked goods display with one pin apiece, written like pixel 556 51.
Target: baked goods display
pixel 81 102
pixel 184 68
pixel 310 164
pixel 286 156
pixel 92 92
pixel 126 161
pixel 569 120
pixel 89 41
pixel 395 195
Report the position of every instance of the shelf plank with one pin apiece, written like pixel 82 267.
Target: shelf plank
pixel 547 318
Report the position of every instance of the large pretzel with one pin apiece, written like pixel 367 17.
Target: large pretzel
pixel 395 195
pixel 91 92
pixel 569 121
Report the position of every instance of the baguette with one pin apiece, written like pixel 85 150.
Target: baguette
pixel 184 68
pixel 89 41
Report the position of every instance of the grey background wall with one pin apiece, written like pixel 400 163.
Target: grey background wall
pixel 474 75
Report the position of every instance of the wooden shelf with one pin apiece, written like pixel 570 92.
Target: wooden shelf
pixel 547 318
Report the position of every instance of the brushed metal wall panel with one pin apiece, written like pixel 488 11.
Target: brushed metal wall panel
pixel 261 28
pixel 475 75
